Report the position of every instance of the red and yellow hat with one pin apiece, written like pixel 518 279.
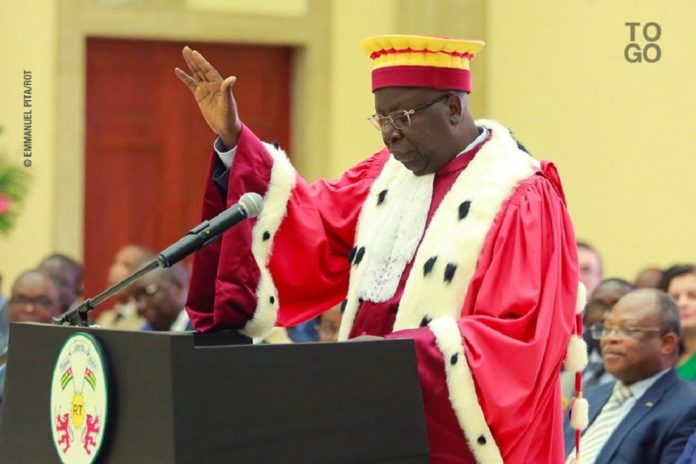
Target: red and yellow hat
pixel 420 61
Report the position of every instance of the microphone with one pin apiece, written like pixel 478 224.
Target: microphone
pixel 250 205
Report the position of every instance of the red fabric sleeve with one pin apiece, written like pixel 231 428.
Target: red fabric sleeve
pixel 309 254
pixel 224 275
pixel 515 324
pixel 309 262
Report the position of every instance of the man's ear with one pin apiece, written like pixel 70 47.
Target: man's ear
pixel 670 343
pixel 455 107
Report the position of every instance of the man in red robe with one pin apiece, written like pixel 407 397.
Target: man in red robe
pixel 452 235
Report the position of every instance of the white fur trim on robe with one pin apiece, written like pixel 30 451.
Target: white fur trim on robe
pixel 275 201
pixel 462 392
pixel 445 263
pixel 390 227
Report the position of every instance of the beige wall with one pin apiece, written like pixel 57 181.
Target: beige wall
pixel 553 71
pixel 352 137
pixel 620 133
pixel 28 33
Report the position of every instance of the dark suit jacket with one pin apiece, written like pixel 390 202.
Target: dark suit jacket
pixel 689 455
pixel 654 431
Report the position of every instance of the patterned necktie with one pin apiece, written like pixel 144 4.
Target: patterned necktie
pixel 601 429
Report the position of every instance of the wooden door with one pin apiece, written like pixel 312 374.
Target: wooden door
pixel 147 147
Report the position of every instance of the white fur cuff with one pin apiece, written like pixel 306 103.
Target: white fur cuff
pixel 275 201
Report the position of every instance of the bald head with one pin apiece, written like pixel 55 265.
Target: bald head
pixel 67 275
pixel 161 295
pixel 604 297
pixel 649 278
pixel 34 298
pixel 656 304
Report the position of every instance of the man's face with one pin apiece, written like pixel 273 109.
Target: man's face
pixel 34 298
pixel 683 289
pixel 639 355
pixel 158 300
pixel 590 269
pixel 603 300
pixel 124 263
pixel 422 146
pixel 600 303
pixel 66 280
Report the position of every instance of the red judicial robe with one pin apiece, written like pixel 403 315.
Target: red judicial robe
pixel 482 275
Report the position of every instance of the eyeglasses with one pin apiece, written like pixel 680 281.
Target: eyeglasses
pixel 600 331
pixel 400 120
pixel 146 292
pixel 19 300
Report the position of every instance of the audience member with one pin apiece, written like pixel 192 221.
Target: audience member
pixel 590 266
pixel 304 332
pixel 689 454
pixel 650 277
pixel 124 315
pixel 329 323
pixel 649 413
pixel 600 303
pixel 160 297
pixel 680 282
pixel 67 274
pixel 34 298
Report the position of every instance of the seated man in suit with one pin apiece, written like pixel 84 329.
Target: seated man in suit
pixel 600 303
pixel 124 315
pixel 67 274
pixel 689 454
pixel 34 298
pixel 649 413
pixel 160 297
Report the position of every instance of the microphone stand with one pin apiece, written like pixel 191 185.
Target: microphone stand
pixel 77 316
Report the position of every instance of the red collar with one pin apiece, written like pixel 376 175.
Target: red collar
pixel 460 162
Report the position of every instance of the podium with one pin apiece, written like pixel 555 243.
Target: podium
pixel 215 398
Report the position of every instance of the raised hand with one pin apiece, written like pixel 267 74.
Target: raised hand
pixel 213 95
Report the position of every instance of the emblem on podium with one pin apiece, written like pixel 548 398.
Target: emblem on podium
pixel 79 400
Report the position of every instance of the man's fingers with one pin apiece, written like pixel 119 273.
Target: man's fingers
pixel 207 71
pixel 186 53
pixel 192 64
pixel 186 79
pixel 227 83
pixel 196 70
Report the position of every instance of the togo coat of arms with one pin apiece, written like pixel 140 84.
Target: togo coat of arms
pixel 79 400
